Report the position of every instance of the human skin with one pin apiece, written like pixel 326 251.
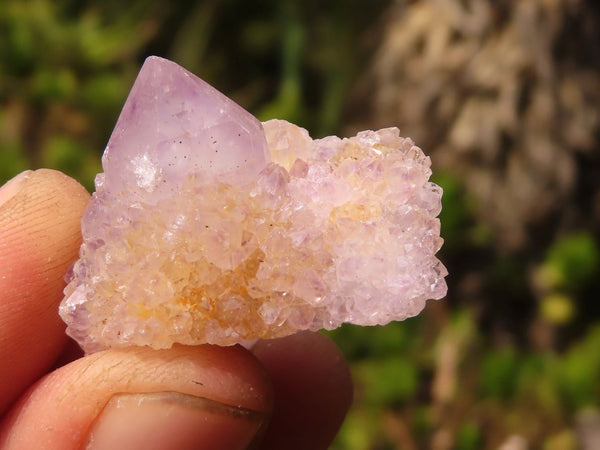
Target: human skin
pixel 288 393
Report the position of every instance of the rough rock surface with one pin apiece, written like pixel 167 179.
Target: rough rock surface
pixel 210 227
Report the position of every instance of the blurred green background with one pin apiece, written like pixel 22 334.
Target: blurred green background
pixel 505 97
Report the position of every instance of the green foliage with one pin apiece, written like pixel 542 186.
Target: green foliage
pixel 468 437
pixel 53 84
pixel 386 381
pixel 572 261
pixel 12 161
pixel 71 157
pixel 65 72
pixel 454 216
pixel 104 93
pixel 499 371
pixel 557 308
pixel 536 383
pixel 579 372
pixel 361 342
pixel 358 431
pixel 288 103
pixel 564 440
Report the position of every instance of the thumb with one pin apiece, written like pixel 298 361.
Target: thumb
pixel 183 398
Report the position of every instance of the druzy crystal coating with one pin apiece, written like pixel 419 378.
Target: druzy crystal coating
pixel 210 227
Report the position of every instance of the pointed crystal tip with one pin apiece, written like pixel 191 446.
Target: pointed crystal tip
pixel 173 123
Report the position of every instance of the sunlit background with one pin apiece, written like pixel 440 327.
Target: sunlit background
pixel 505 97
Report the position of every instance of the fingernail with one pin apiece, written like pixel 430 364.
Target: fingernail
pixel 165 420
pixel 13 186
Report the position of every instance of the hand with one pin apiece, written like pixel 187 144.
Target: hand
pixel 289 393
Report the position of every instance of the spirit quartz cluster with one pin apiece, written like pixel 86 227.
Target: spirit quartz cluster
pixel 208 226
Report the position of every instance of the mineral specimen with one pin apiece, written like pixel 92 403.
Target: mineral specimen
pixel 210 227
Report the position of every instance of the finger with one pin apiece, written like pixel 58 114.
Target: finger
pixel 40 215
pixel 185 397
pixel 312 390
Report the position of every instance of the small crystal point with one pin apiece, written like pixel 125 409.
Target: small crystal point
pixel 172 122
pixel 210 227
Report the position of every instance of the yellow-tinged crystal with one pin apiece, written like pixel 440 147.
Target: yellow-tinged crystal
pixel 210 227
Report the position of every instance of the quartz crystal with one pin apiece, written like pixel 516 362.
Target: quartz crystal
pixel 210 227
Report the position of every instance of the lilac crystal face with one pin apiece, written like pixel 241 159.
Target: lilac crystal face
pixel 173 123
pixel 210 227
